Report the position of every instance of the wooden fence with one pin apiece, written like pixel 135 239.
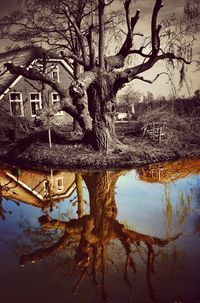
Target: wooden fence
pixel 155 130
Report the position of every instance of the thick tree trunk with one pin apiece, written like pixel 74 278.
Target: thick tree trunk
pixel 101 187
pixel 102 107
pixel 103 130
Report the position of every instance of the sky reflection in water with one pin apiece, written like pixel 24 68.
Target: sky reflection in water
pixel 147 204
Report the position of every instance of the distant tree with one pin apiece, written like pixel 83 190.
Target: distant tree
pixel 128 99
pixel 192 10
pixel 149 97
pixel 161 98
pixel 93 94
pixel 197 94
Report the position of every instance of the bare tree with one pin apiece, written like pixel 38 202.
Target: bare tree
pixel 93 93
pixel 128 99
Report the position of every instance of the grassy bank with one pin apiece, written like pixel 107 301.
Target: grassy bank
pixel 180 139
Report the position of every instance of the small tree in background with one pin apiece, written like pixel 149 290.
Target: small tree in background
pixel 197 94
pixel 128 98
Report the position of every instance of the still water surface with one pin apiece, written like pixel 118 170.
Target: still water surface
pixel 107 236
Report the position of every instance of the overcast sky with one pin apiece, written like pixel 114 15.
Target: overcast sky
pixel 161 86
pixel 7 6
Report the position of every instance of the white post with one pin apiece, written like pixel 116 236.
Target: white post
pixel 49 135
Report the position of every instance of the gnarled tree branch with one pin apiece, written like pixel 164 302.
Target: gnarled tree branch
pixel 130 74
pixel 79 34
pixel 101 7
pixel 155 40
pixel 75 58
pixel 117 61
pixel 91 46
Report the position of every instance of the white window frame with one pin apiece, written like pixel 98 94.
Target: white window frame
pixel 57 71
pixel 60 188
pixel 40 66
pixel 53 101
pixel 34 101
pixel 19 101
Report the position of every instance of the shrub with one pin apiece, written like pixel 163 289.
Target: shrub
pixel 177 130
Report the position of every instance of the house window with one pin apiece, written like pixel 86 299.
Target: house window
pixel 55 74
pixel 60 185
pixel 56 98
pixel 46 185
pixel 36 103
pixel 16 104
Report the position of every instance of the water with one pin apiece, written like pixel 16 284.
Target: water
pixel 122 236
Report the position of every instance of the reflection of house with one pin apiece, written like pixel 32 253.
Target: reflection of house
pixel 125 112
pixel 23 97
pixel 169 171
pixel 36 188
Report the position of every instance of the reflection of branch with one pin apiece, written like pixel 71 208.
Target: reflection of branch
pixel 103 268
pixel 71 227
pixel 126 278
pixel 41 253
pixel 128 237
pixel 125 240
pixel 1 206
pixel 84 251
pixel 76 287
pixel 150 270
pixel 137 237
pixel 6 188
pixel 95 264
pixel 10 246
pixel 95 231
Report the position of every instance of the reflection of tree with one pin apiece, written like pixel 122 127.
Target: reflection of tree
pixel 93 233
pixel 1 206
pixel 169 171
pixel 197 225
pixel 176 211
pixel 5 188
pixel 176 217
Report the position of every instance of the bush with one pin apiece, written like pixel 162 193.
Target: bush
pixel 178 130
pixel 12 128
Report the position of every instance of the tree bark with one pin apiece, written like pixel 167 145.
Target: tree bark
pixel 101 187
pixel 102 108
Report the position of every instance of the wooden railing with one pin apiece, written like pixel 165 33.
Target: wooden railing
pixel 155 130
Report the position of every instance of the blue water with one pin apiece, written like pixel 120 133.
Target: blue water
pixel 157 209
